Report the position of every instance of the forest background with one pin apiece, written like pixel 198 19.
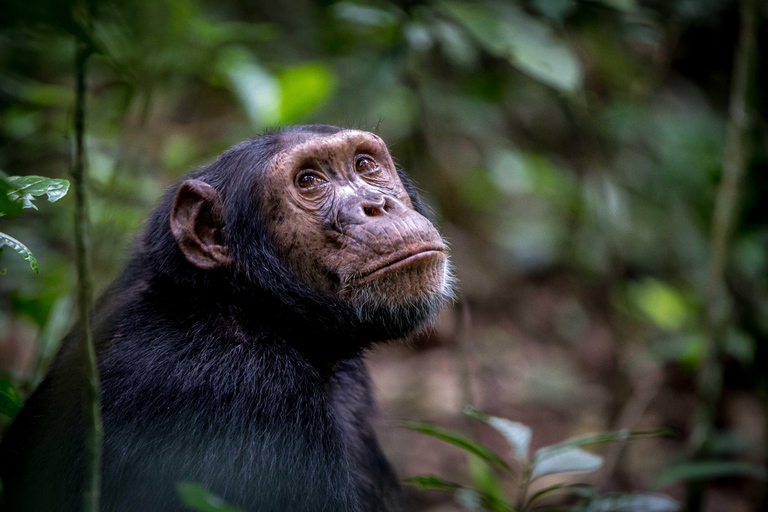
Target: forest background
pixel 600 169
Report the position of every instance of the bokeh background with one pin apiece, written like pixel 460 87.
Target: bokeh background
pixel 574 153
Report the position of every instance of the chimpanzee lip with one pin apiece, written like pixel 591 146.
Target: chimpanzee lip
pixel 403 259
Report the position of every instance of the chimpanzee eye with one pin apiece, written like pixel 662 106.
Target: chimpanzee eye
pixel 309 179
pixel 364 164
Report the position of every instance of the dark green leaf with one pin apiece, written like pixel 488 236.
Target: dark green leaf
pixel 456 439
pixel 708 470
pixel 432 482
pixel 197 497
pixel 7 205
pixel 632 503
pixel 21 249
pixel 10 403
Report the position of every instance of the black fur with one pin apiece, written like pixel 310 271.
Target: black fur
pixel 240 379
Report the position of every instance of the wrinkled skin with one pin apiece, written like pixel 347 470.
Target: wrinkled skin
pixel 340 218
pixel 345 222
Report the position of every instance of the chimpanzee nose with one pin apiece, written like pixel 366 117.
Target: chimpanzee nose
pixel 363 207
pixel 375 206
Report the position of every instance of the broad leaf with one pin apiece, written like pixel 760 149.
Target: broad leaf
pixel 255 88
pixel 304 88
pixel 632 503
pixel 10 403
pixel 526 42
pixel 518 435
pixel 21 249
pixel 564 460
pixel 26 188
pixel 707 470
pixel 456 439
pixel 197 497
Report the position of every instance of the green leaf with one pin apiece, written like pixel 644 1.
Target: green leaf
pixel 432 482
pixel 581 490
pixel 487 482
pixel 605 437
pixel 479 500
pixel 528 44
pixel 708 470
pixel 21 249
pixel 663 304
pixel 10 403
pixel 7 205
pixel 256 89
pixel 518 435
pixel 304 88
pixel 632 503
pixel 456 439
pixel 197 497
pixel 564 460
pixel 26 188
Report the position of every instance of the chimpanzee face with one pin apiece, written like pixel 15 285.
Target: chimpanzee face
pixel 343 221
pixel 338 217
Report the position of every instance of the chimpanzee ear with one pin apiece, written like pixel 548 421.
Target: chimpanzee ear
pixel 196 223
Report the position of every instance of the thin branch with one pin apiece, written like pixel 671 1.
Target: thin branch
pixel 92 391
pixel 736 159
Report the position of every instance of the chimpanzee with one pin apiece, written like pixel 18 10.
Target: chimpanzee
pixel 231 348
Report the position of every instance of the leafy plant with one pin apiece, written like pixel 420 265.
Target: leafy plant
pixel 197 497
pixel 10 403
pixel 566 457
pixel 17 194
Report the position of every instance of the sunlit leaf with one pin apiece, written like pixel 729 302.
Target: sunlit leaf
pixel 28 187
pixel 528 44
pixel 304 88
pixel 518 435
pixel 664 305
pixel 10 403
pixel 197 497
pixel 255 88
pixel 633 503
pixel 456 439
pixel 707 470
pixel 21 249
pixel 564 460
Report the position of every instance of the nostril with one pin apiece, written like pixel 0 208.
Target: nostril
pixel 373 211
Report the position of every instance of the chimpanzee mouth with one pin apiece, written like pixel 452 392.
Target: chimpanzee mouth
pixel 401 260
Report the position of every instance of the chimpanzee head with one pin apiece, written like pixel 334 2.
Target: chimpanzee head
pixel 316 224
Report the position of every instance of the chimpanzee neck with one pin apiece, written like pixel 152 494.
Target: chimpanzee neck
pixel 251 316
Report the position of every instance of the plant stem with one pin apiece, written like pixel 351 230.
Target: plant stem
pixel 736 159
pixel 92 391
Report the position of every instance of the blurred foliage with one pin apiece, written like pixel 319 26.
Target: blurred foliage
pixel 487 493
pixel 557 140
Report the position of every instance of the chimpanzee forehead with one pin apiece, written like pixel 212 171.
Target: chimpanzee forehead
pixel 308 146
